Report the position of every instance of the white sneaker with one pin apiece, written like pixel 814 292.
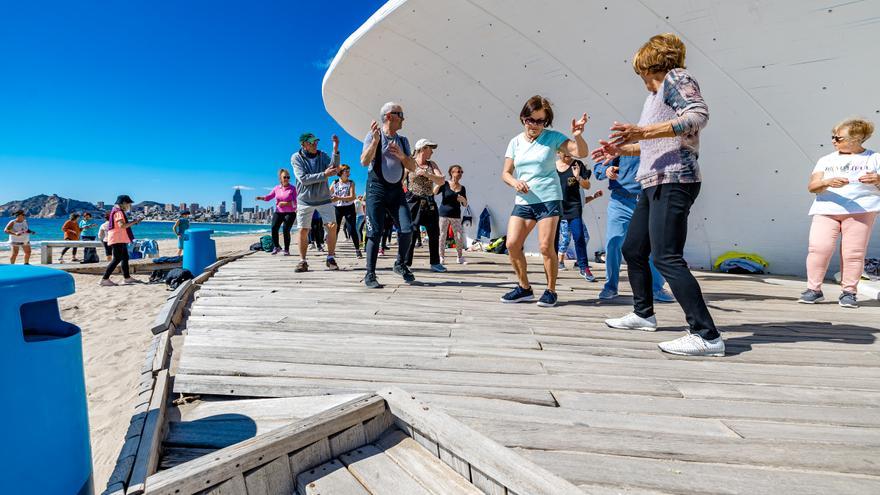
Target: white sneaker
pixel 693 344
pixel 633 321
pixel 107 283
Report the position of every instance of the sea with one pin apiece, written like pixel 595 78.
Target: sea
pixel 50 229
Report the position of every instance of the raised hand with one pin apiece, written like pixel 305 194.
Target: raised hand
pixel 605 152
pixel 335 140
pixel 374 130
pixel 625 134
pixel 577 126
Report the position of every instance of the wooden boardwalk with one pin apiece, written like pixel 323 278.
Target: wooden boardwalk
pixel 793 408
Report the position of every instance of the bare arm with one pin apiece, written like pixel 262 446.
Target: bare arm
pixel 819 184
pixel 576 146
pixel 369 153
pixel 437 177
pixel 510 180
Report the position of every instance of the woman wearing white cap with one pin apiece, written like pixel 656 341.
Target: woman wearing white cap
pixel 420 196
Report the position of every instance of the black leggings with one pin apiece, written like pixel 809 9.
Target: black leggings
pixel 120 255
pixel 659 228
pixel 316 233
pixel 428 218
pixel 64 251
pixel 348 212
pixel 277 220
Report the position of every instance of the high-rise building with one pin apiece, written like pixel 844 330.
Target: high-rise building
pixel 236 201
pixel 169 207
pixel 182 206
pixel 223 207
pixel 193 208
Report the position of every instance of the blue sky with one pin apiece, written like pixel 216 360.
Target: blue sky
pixel 169 101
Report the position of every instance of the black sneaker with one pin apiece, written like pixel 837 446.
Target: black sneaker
pixel 371 282
pixel 403 270
pixel 360 255
pixel 302 266
pixel 331 263
pixel 848 300
pixel 811 296
pixel 518 295
pixel 548 299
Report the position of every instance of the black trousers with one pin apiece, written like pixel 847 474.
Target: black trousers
pixel 659 228
pixel 316 233
pixel 386 199
pixel 350 215
pixel 120 255
pixel 285 219
pixel 424 212
pixel 64 251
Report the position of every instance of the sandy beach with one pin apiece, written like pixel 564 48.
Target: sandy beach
pixel 115 324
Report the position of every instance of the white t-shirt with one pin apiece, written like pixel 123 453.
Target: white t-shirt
pixel 21 235
pixel 854 197
pixel 535 163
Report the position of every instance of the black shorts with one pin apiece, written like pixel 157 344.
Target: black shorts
pixel 538 211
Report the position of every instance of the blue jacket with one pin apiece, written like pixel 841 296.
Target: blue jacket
pixel 626 178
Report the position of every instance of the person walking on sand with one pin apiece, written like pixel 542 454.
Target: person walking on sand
pixel 453 197
pixel 625 189
pixel 667 139
pixel 345 196
pixel 284 195
pixel 420 186
pixel 179 228
pixel 386 153
pixel 530 169
pixel 847 188
pixel 71 231
pixel 118 236
pixel 312 168
pixel 19 237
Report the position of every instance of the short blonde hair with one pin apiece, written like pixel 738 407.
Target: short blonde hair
pixel 860 129
pixel 662 53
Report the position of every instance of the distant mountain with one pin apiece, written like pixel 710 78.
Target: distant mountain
pixel 44 206
pixel 147 204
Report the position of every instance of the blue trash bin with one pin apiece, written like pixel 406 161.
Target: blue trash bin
pixel 44 420
pixel 199 250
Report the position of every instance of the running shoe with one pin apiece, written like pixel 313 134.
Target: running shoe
pixel 359 254
pixel 561 266
pixel 439 268
pixel 663 296
pixel 548 299
pixel 518 295
pixel 371 282
pixel 848 300
pixel 106 282
pixel 588 275
pixel 403 270
pixel 302 266
pixel 607 294
pixel 381 252
pixel 286 252
pixel 811 296
pixel 633 321
pixel 462 261
pixel 693 344
pixel 331 263
pixel 276 251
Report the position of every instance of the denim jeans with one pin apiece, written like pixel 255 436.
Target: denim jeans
pixel 620 212
pixel 574 228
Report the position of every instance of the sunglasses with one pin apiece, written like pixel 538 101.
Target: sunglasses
pixel 531 121
pixel 399 114
pixel 838 139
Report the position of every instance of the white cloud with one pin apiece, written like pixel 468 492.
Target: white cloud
pixel 243 188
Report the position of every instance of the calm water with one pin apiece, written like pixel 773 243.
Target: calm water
pixel 50 229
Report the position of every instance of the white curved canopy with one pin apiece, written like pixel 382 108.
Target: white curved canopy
pixel 777 75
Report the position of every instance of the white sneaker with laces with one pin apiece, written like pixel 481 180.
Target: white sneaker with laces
pixel 633 321
pixel 693 344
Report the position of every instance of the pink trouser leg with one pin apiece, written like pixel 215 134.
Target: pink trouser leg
pixel 823 239
pixel 855 234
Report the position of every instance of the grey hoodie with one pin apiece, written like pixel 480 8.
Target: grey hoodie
pixel 311 183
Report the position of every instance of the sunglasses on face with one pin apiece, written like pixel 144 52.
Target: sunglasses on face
pixel 285 177
pixel 838 139
pixel 399 114
pixel 531 121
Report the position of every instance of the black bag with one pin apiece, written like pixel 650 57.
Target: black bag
pixel 158 275
pixel 257 246
pixel 177 276
pixel 90 255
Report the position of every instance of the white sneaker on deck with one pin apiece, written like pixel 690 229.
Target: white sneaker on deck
pixel 633 321
pixel 693 344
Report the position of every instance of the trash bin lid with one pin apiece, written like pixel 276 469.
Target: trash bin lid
pixel 200 232
pixel 26 283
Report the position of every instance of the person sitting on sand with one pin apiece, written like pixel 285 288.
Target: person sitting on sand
pixel 71 231
pixel 19 237
pixel 118 236
pixel 180 227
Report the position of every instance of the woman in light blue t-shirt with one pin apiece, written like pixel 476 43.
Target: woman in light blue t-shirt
pixel 530 168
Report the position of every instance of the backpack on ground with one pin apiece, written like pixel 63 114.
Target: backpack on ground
pixel 158 275
pixel 497 246
pixel 90 255
pixel 177 276
pixel 266 242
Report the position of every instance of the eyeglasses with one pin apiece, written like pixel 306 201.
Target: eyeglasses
pixel 531 121
pixel 285 177
pixel 838 139
pixel 399 114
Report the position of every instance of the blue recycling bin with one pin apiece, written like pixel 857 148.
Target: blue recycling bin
pixel 44 422
pixel 199 250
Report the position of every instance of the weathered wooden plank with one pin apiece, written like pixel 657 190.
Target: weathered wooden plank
pixel 163 349
pixel 379 473
pixel 283 409
pixel 210 434
pixel 147 458
pixel 786 394
pixel 256 451
pixel 376 427
pixel 329 478
pixel 172 456
pixel 271 479
pixel 309 456
pixel 490 458
pixel 486 484
pixel 347 440
pixel 456 463
pixel 233 486
pixel 424 467
pixel 429 445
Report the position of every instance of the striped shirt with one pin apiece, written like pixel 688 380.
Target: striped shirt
pixel 674 159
